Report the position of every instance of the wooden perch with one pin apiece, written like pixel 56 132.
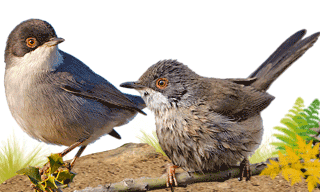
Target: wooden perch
pixel 146 183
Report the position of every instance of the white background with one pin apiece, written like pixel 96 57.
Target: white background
pixel 120 39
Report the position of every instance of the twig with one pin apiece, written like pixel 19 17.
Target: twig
pixel 146 183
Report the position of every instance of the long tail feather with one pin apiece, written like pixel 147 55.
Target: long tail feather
pixel 288 52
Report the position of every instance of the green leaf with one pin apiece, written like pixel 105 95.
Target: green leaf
pixel 298 119
pixel 55 162
pixel 32 172
pixel 316 118
pixel 308 112
pixel 314 111
pixel 290 115
pixel 287 120
pixel 65 177
pixel 51 183
pixel 297 109
pixel 287 140
pixel 311 132
pixel 289 123
pixel 278 144
pixel 286 131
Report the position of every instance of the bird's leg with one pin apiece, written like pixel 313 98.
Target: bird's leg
pixel 171 177
pixel 70 165
pixel 63 153
pixel 71 147
pixel 245 169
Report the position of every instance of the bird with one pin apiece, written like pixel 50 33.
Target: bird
pixel 56 98
pixel 210 124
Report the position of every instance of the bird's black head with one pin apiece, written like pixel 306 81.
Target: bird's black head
pixel 28 36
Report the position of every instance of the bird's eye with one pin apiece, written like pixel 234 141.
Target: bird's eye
pixel 162 83
pixel 31 42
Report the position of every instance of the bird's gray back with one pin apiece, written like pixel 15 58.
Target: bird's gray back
pixel 49 113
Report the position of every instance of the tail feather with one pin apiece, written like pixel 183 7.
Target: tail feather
pixel 289 43
pixel 288 52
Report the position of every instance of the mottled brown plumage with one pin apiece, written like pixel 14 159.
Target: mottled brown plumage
pixel 206 124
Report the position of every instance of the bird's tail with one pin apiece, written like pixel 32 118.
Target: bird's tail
pixel 288 52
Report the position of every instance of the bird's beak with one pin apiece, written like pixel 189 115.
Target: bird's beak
pixel 132 85
pixel 54 41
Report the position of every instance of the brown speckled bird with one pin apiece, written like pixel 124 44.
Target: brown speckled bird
pixel 206 124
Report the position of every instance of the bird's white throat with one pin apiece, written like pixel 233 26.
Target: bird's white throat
pixel 42 58
pixel 154 100
pixel 20 76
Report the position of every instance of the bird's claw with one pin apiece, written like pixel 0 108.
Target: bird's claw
pixel 245 170
pixel 171 177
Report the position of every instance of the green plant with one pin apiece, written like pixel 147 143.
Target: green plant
pixel 50 178
pixel 310 116
pixel 151 140
pixel 298 121
pixel 298 162
pixel 13 157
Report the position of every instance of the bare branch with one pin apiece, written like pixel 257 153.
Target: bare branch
pixel 146 183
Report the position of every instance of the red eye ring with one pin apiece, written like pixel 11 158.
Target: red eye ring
pixel 162 83
pixel 31 42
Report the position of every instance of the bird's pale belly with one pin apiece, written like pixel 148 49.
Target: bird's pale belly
pixel 196 145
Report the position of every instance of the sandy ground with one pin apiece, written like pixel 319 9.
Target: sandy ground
pixel 140 160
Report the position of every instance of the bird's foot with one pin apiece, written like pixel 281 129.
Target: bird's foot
pixel 245 170
pixel 171 175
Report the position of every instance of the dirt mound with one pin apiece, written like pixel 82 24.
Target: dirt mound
pixel 140 160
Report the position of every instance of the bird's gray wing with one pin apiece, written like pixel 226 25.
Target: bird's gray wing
pixel 234 98
pixel 102 92
pixel 77 78
pixel 243 81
